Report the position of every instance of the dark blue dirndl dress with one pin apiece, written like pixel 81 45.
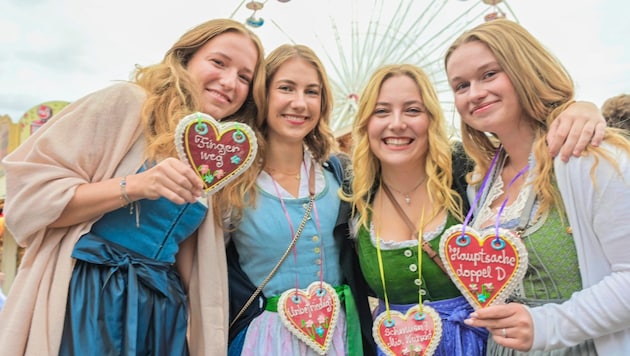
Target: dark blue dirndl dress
pixel 125 295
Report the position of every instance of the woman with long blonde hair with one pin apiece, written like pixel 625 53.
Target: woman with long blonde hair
pixel 509 90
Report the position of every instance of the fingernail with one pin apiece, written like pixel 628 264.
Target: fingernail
pixel 468 321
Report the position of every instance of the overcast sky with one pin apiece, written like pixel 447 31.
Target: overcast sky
pixel 64 49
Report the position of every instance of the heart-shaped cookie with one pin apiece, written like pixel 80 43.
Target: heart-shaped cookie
pixel 410 334
pixel 217 151
pixel 486 269
pixel 311 314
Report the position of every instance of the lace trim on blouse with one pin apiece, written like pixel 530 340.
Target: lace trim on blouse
pixel 486 216
pixel 394 245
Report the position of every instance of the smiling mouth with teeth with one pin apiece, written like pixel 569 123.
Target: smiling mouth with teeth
pixel 397 141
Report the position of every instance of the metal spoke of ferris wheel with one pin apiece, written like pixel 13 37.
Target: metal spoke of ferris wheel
pixel 404 37
pixel 373 33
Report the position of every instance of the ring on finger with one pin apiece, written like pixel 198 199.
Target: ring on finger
pixel 504 333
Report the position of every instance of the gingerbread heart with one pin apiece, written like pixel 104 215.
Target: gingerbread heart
pixel 217 151
pixel 486 269
pixel 311 314
pixel 415 333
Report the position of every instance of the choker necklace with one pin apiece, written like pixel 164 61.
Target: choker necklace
pixel 407 195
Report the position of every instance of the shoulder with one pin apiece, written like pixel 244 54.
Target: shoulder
pixel 339 165
pixel 123 91
pixel 462 164
pixel 605 159
pixel 107 104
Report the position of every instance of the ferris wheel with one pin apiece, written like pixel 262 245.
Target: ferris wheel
pixel 355 37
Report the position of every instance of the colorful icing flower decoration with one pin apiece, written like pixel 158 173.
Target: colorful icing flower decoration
pixel 316 330
pixel 323 320
pixel 219 173
pixel 486 290
pixel 489 287
pixel 235 159
pixel 206 175
pixel 311 326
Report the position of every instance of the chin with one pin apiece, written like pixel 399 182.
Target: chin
pixel 216 113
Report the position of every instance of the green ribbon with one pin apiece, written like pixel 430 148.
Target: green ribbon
pixel 353 328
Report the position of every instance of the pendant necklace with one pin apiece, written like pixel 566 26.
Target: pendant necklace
pixel 407 195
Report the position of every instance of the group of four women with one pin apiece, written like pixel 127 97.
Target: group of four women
pixel 125 254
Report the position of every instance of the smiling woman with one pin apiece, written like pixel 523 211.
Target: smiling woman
pixel 119 216
pixel 401 146
pixel 293 210
pixel 509 90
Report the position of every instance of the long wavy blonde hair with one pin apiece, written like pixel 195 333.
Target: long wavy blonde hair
pixel 367 167
pixel 172 94
pixel 544 89
pixel 320 141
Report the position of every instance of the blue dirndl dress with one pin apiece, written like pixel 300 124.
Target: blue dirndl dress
pixel 125 295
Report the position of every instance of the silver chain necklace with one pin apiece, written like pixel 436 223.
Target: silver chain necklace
pixel 407 195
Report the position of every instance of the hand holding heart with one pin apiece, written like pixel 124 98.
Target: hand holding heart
pixel 171 179
pixel 514 317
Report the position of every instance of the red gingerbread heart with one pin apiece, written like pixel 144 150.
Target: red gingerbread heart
pixel 415 333
pixel 311 314
pixel 486 269
pixel 218 152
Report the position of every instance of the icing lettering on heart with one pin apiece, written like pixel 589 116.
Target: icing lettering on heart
pixel 486 269
pixel 311 314
pixel 409 334
pixel 217 151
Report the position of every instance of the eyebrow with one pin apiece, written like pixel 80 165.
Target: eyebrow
pixel 406 103
pixel 482 68
pixel 289 81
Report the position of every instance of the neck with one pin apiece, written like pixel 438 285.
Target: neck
pixel 284 157
pixel 518 145
pixel 402 180
pixel 518 154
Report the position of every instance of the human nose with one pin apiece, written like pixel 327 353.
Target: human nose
pixel 397 121
pixel 298 101
pixel 477 91
pixel 228 79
